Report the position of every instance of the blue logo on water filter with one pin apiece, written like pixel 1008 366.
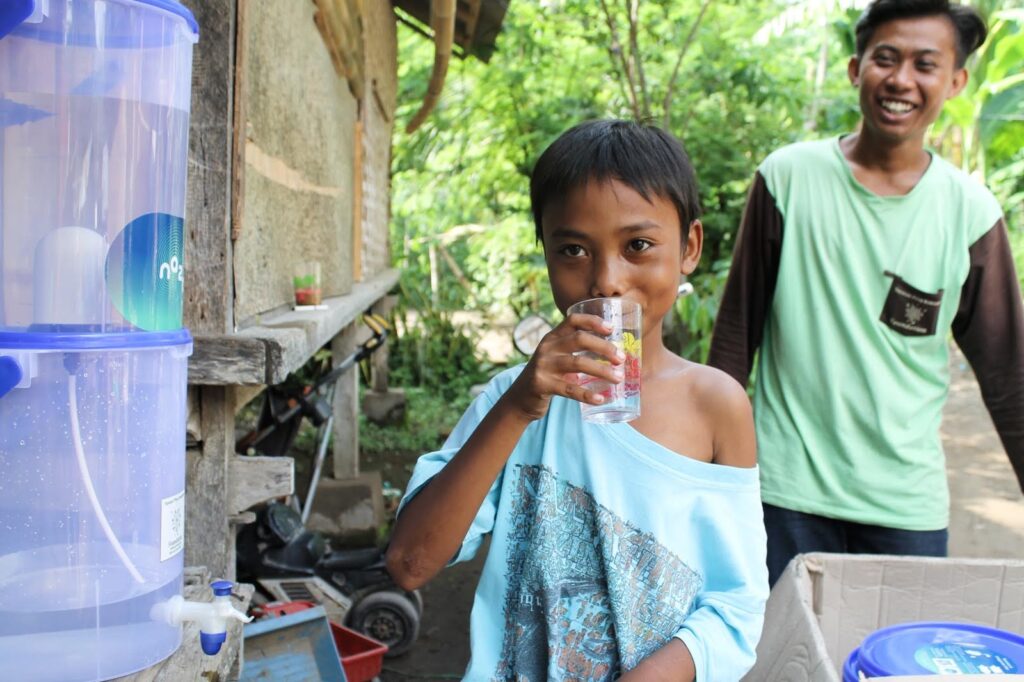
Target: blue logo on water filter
pixel 146 271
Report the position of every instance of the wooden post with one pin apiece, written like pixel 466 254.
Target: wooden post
pixel 379 359
pixel 345 450
pixel 208 276
pixel 209 538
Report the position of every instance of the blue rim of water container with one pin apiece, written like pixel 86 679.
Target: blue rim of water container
pixel 14 12
pixel 174 7
pixel 862 659
pixel 850 667
pixel 76 338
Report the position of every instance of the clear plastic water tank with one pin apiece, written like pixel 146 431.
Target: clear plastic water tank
pixel 94 109
pixel 92 485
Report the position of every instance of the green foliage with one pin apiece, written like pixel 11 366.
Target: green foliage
pixel 983 128
pixel 730 101
pixel 695 315
pixel 734 79
pixel 428 419
pixel 431 352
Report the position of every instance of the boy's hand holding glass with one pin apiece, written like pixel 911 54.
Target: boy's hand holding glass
pixel 621 400
pixel 567 362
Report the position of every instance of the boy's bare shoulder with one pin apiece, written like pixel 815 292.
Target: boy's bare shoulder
pixel 714 388
pixel 727 411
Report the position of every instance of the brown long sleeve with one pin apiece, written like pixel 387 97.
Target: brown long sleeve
pixel 989 327
pixel 748 294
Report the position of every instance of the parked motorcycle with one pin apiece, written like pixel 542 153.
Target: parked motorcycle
pixel 287 562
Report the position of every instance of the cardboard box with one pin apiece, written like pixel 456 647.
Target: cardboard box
pixel 825 604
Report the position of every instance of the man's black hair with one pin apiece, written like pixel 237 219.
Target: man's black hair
pixel 968 24
pixel 644 157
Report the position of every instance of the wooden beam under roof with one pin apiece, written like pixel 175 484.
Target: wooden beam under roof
pixel 477 23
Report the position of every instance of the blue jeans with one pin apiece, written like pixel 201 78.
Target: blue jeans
pixel 792 532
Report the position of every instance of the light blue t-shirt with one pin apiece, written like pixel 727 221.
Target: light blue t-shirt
pixel 605 545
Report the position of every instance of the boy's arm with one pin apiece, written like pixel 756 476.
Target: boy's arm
pixel 748 294
pixel 989 327
pixel 432 525
pixel 670 663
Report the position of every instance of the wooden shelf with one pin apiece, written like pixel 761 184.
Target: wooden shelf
pixel 281 343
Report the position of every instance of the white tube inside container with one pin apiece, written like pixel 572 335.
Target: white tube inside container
pixel 83 468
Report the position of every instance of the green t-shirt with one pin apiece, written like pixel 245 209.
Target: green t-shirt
pixel 853 372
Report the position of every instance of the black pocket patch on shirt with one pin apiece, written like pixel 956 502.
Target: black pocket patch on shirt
pixel 910 311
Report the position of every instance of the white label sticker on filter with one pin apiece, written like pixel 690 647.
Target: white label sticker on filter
pixel 172 525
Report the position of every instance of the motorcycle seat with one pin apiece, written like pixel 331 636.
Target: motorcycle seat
pixel 349 559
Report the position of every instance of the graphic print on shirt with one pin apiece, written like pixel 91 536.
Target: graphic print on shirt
pixel 588 591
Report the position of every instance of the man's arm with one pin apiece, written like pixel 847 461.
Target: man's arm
pixel 739 327
pixel 989 328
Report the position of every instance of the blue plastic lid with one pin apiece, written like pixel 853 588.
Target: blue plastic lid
pixel 939 648
pixel 850 667
pixel 222 588
pixel 10 374
pixel 80 338
pixel 175 7
pixel 13 14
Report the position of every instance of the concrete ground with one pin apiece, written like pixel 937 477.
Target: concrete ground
pixel 987 520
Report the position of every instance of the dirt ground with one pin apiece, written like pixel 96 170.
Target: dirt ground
pixel 987 520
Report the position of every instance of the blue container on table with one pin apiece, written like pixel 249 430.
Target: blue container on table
pixel 936 648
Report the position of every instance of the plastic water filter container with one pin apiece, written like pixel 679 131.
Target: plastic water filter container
pixel 94 110
pixel 936 648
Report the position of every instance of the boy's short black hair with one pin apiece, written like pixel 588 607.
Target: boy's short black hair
pixel 968 24
pixel 645 157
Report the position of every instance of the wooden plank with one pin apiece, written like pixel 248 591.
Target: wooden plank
pixel 239 122
pixel 209 539
pixel 267 353
pixel 208 275
pixel 252 480
pixel 227 359
pixel 193 419
pixel 189 662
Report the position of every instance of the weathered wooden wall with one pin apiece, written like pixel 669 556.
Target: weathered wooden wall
pixel 298 154
pixel 276 136
pixel 208 297
pixel 378 115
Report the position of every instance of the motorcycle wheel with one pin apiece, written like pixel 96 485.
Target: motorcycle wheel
pixel 417 599
pixel 389 617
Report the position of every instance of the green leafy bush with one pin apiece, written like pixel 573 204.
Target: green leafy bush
pixel 429 418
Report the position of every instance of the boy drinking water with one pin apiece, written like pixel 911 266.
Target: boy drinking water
pixel 617 549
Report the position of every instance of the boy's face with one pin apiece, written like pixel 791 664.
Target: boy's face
pixel 907 72
pixel 605 239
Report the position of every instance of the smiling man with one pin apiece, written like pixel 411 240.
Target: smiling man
pixel 857 255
